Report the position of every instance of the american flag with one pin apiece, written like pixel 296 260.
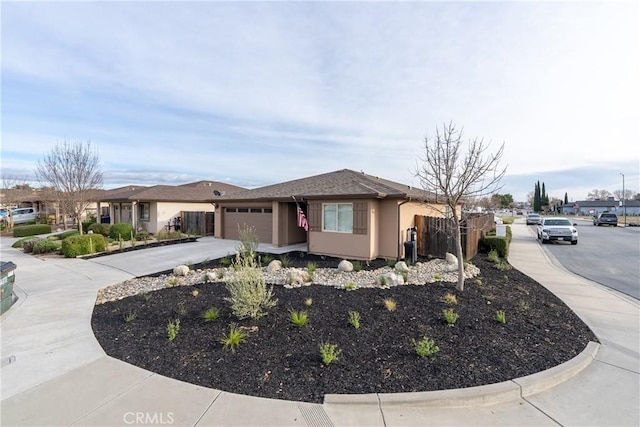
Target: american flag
pixel 302 219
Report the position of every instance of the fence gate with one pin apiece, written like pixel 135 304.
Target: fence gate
pixel 198 223
pixel 436 235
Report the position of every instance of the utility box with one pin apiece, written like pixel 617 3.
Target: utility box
pixel 501 230
pixel 6 290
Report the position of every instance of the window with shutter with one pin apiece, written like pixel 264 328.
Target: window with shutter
pixel 360 217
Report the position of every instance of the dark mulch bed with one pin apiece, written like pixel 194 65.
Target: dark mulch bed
pixel 282 361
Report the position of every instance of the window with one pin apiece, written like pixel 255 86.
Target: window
pixel 144 211
pixel 337 217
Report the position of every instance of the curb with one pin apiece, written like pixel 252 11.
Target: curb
pixel 477 396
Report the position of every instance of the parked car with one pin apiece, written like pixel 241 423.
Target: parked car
pixel 557 228
pixel 534 219
pixel 23 215
pixel 606 218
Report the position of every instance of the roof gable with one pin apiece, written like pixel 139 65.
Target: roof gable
pixel 201 191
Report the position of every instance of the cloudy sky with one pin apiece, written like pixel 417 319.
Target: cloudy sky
pixel 263 92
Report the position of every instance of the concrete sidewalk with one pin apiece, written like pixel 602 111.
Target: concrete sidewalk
pixel 61 376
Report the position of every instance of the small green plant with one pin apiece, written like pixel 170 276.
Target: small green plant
pixel 501 317
pixel 437 276
pixel 130 316
pixel 234 338
pixel 225 262
pixel 329 353
pixel 172 282
pixel 390 304
pixel 298 318
pixel 312 267
pixel 493 256
pixel 146 296
pixel 220 274
pixel 285 260
pixel 350 286
pixel 354 319
pixel 205 263
pixel 478 282
pixel 391 262
pixel 503 266
pixel 425 347
pixel 181 310
pixel 267 258
pixel 211 314
pixel 449 298
pixel 308 302
pixel 357 265
pixel 173 327
pixel 450 316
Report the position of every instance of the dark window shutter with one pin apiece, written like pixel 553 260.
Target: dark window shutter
pixel 314 216
pixel 360 217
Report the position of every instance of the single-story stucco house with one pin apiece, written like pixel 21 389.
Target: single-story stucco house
pixel 155 208
pixel 594 207
pixel 349 214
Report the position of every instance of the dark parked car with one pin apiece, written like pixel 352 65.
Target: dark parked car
pixel 606 219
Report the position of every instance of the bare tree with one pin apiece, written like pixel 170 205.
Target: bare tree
pixel 455 176
pixel 628 194
pixel 73 170
pixel 596 194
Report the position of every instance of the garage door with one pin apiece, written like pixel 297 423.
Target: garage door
pixel 259 218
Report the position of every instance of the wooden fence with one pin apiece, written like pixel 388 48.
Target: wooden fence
pixel 199 223
pixel 435 236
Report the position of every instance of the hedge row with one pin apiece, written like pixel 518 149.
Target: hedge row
pixel 500 244
pixel 31 230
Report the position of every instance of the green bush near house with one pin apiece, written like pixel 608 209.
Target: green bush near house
pixel 65 234
pixel 121 230
pixel 29 243
pixel 19 244
pixel 499 244
pixel 83 245
pixel 98 228
pixel 31 230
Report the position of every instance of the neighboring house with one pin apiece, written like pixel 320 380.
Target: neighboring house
pixel 350 214
pixel 155 208
pixel 594 207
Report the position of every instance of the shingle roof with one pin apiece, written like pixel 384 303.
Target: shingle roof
pixel 602 203
pixel 201 191
pixel 344 183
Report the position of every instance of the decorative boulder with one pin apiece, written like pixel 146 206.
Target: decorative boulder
pixel 181 270
pixel 451 258
pixel 210 276
pixel 345 266
pixel 390 279
pixel 296 276
pixel 401 267
pixel 274 265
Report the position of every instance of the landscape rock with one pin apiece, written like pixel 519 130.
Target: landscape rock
pixel 181 270
pixel 210 276
pixel 451 258
pixel 345 266
pixel 401 267
pixel 390 279
pixel 296 276
pixel 274 265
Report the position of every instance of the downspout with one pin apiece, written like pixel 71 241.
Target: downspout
pixel 399 242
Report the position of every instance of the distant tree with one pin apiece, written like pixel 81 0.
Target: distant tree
pixel 628 194
pixel 637 196
pixel 544 197
pixel 537 201
pixel 566 199
pixel 530 198
pixel 596 194
pixel 444 171
pixel 505 200
pixel 73 170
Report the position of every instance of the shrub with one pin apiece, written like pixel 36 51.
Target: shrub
pixel 390 304
pixel 74 246
pixel 354 319
pixel 29 243
pixel 329 353
pixel 450 316
pixel 31 230
pixel 225 262
pixel 493 256
pixel 121 230
pixel 502 266
pixel 173 327
pixel 500 244
pixel 98 228
pixel 450 298
pixel 425 347
pixel 211 314
pixel 501 317
pixel 47 246
pixel 67 233
pixel 249 241
pixel 266 259
pixel 248 292
pixel 86 225
pixel 357 265
pixel 234 338
pixel 298 318
pixel 20 243
pixel 285 260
